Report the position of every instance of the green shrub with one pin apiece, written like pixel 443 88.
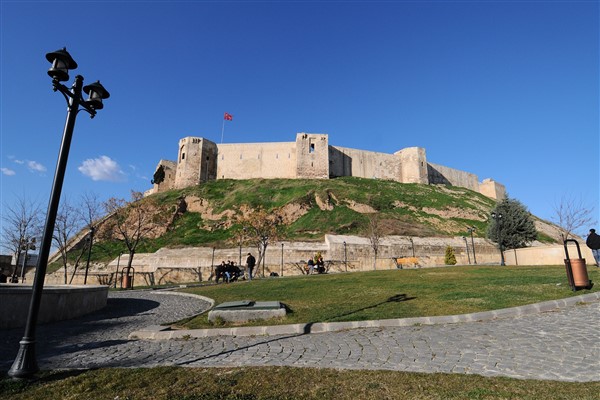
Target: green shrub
pixel 450 258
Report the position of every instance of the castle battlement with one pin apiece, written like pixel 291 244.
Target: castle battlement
pixel 309 157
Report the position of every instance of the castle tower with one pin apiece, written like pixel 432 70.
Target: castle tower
pixel 164 176
pixel 414 165
pixel 196 162
pixel 492 189
pixel 312 156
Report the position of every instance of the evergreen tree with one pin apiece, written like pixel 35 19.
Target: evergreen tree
pixel 513 226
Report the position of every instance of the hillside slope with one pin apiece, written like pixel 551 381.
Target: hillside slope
pixel 312 208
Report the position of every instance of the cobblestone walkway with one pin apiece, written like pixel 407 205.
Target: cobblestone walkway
pixel 560 345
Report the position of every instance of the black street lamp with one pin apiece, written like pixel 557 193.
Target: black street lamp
pixel 117 272
pixel 498 218
pixel 345 257
pixel 212 263
pixel 412 245
pixel 27 244
pixel 25 364
pixel 467 247
pixel 471 230
pixel 90 240
pixel 281 259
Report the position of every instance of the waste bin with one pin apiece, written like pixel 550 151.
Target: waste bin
pixel 127 274
pixel 127 282
pixel 576 269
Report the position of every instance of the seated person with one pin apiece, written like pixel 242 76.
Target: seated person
pixel 220 272
pixel 310 266
pixel 320 264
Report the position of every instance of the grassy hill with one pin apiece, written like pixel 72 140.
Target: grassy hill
pixel 313 208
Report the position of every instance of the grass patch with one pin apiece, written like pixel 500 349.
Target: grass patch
pixel 273 383
pixel 397 293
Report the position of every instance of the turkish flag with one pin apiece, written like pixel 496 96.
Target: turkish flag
pixel 228 117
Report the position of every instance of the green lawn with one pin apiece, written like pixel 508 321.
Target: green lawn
pixel 337 297
pixel 398 293
pixel 283 383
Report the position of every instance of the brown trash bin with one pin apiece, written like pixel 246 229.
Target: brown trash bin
pixel 127 274
pixel 576 269
pixel 126 282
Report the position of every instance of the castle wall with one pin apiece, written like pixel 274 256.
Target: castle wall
pixel 309 157
pixel 363 164
pixel 440 175
pixel 257 160
pixel 312 156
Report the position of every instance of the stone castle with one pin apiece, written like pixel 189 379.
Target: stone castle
pixel 309 157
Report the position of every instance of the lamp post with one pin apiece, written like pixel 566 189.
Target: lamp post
pixel 281 259
pixel 90 239
pixel 345 257
pixel 27 244
pixel 471 230
pixel 212 263
pixel 467 247
pixel 412 244
pixel 117 273
pixel 25 364
pixel 498 218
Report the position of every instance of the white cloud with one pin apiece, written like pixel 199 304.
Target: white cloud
pixel 19 161
pixel 102 169
pixel 7 171
pixel 35 166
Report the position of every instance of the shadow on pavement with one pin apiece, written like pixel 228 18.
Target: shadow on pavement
pixel 86 332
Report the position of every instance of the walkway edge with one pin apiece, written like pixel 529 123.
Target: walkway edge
pixel 165 333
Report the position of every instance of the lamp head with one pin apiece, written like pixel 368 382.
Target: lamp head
pixel 61 62
pixel 96 93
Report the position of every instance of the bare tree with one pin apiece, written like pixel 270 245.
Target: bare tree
pixel 374 237
pixel 90 210
pixel 261 227
pixel 134 220
pixel 68 224
pixel 21 223
pixel 572 214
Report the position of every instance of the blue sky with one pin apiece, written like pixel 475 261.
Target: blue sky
pixel 507 90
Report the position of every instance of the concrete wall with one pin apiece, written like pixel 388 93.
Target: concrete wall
pixel 264 160
pixel 194 263
pixel 57 303
pixel 547 255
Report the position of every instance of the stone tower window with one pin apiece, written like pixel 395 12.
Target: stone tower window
pixel 183 156
pixel 311 147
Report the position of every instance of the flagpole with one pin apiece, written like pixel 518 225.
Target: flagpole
pixel 222 130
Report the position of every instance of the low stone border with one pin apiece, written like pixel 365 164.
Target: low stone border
pixel 165 333
pixel 56 303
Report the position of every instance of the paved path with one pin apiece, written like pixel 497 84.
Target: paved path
pixel 560 345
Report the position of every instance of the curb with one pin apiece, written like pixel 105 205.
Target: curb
pixel 157 332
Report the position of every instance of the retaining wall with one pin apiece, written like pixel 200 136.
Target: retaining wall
pixel 57 303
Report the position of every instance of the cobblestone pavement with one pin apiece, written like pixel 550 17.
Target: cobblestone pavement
pixel 560 345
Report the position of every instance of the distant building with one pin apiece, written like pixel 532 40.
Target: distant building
pixel 309 157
